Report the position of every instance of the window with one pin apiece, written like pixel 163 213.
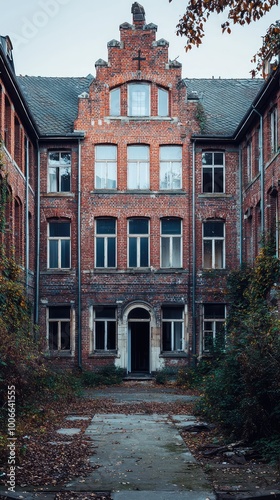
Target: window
pixel 213 245
pixel 273 130
pixel 138 243
pixel 59 245
pixel 249 160
pixel 105 328
pixel 171 243
pixel 115 102
pixel 172 328
pixel 138 165
pixel 213 172
pixel 170 167
pixel 106 167
pixel 213 327
pixel 139 99
pixel 59 169
pixel 105 243
pixel 59 328
pixel 162 102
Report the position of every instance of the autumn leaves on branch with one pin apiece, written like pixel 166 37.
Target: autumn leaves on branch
pixel 241 12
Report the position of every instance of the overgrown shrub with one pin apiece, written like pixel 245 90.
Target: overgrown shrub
pixel 242 393
pixel 166 374
pixel 107 375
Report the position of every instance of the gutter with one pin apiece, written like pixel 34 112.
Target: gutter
pixel 38 223
pixel 26 214
pixel 194 261
pixel 79 322
pixel 261 170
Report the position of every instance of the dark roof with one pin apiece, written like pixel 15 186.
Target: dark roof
pixel 225 101
pixel 53 101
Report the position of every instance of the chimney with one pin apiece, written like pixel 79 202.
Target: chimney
pixel 138 14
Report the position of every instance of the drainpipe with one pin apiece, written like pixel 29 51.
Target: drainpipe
pixel 240 206
pixel 261 170
pixel 26 214
pixel 194 261
pixel 79 260
pixel 38 226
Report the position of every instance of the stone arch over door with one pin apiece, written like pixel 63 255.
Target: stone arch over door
pixel 138 320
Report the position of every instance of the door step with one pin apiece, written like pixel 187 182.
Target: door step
pixel 138 376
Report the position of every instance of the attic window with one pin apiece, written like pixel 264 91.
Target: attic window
pixel 139 99
pixel 115 102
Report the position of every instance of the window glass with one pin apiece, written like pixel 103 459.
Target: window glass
pixel 213 245
pixel 59 328
pixel 214 326
pixel 59 245
pixel 105 246
pixel 170 167
pixel 138 167
pixel 139 99
pixel 162 102
pixel 105 167
pixel 213 172
pixel 138 243
pixel 172 328
pixel 59 172
pixel 105 327
pixel 171 243
pixel 115 100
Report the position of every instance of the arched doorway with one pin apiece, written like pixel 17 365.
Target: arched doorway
pixel 139 340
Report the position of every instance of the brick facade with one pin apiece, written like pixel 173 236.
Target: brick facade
pixel 150 193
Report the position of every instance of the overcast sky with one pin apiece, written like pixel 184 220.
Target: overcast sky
pixel 66 37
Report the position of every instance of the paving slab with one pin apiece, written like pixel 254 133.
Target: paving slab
pixel 142 453
pixel 140 393
pixel 163 495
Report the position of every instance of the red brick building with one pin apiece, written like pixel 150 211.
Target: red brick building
pixel 152 187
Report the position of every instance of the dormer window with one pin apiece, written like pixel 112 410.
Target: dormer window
pixel 139 99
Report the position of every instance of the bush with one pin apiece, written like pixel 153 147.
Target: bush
pixel 166 375
pixel 242 393
pixel 108 375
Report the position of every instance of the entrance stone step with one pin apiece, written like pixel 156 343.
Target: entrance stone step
pixel 141 376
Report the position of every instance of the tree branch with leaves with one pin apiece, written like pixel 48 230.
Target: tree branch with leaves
pixel 241 12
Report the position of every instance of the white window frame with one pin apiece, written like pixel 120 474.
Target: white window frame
pixel 213 166
pixel 109 164
pixel 105 237
pixel 104 320
pixel 58 166
pixel 214 239
pixel 171 237
pixel 139 99
pixel 138 237
pixel 214 323
pixel 59 240
pixel 168 167
pixel 62 320
pixel 172 322
pixel 135 167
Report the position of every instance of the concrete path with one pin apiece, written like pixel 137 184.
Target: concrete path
pixel 142 456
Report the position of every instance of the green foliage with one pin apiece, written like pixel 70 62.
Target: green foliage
pixel 242 392
pixel 166 374
pixel 108 375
